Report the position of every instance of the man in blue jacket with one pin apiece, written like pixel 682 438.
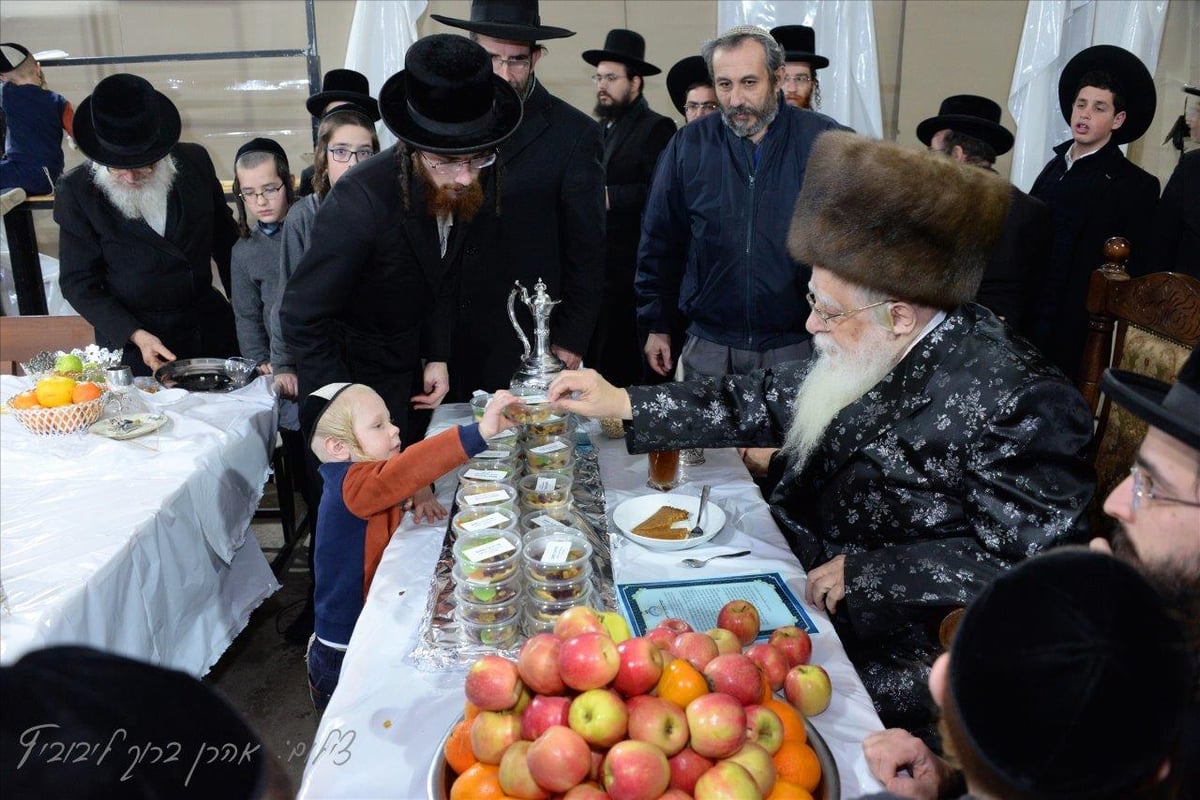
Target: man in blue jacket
pixel 714 235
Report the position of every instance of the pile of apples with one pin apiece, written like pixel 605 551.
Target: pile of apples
pixel 674 714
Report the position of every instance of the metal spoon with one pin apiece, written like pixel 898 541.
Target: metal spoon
pixel 700 562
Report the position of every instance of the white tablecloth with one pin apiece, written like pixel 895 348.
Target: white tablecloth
pixel 138 547
pixel 382 728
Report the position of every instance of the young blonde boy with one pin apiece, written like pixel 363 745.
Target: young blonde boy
pixel 366 477
pixel 34 121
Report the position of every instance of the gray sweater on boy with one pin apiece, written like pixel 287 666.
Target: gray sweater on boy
pixel 254 267
pixel 297 227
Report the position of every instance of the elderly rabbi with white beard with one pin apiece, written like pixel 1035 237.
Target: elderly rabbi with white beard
pixel 925 449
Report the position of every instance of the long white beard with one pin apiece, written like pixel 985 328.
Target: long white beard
pixel 837 379
pixel 147 201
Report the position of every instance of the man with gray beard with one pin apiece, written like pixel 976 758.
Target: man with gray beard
pixel 140 225
pixel 926 449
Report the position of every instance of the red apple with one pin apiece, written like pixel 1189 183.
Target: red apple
pixel 493 683
pixel 577 620
pixel 588 661
pixel 559 759
pixel 794 643
pixel 597 762
pixel 807 687
pixel 662 638
pixel 771 661
pixel 515 779
pixel 765 727
pixel 758 763
pixel 636 771
pixel 696 648
pixel 727 780
pixel 686 768
pixel 675 625
pixel 717 723
pixel 599 716
pixel 544 711
pixel 491 734
pixel 537 664
pixel 727 641
pixel 741 617
pixel 736 675
pixel 658 722
pixel 674 794
pixel 586 791
pixel 641 666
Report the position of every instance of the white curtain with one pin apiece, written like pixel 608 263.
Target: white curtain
pixel 380 35
pixel 845 32
pixel 1055 30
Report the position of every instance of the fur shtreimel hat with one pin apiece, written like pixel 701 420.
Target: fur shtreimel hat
pixel 914 224
pixel 1070 676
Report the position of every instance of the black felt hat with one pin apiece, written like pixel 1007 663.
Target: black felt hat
pixel 261 144
pixel 1172 408
pixel 970 114
pixel 109 710
pixel 126 123
pixel 1131 75
pixel 1070 676
pixel 447 100
pixel 624 46
pixel 346 86
pixel 12 55
pixel 511 20
pixel 799 43
pixel 686 73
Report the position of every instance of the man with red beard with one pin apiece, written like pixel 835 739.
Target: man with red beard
pixel 801 88
pixel 372 301
pixel 926 448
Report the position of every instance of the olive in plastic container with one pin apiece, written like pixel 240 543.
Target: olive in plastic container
pixel 487 556
pixel 486 495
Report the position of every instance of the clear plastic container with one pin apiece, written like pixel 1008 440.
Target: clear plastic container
pixel 545 490
pixel 486 613
pixel 557 556
pixel 498 452
pixel 477 471
pixel 483 519
pixel 486 495
pixel 554 425
pixel 541 612
pixel 486 592
pixel 567 468
pixel 489 556
pixel 543 453
pixel 479 405
pixel 544 520
pixel 566 591
pixel 500 635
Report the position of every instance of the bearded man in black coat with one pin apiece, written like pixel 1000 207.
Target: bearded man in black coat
pixel 551 211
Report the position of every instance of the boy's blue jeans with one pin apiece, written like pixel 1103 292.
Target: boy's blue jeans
pixel 324 669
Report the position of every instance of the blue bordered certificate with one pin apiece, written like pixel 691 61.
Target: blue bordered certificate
pixel 698 601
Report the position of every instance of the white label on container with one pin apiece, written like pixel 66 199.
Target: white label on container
pixel 549 447
pixel 507 433
pixel 492 454
pixel 534 399
pixel 543 521
pixel 486 474
pixel 556 552
pixel 496 547
pixel 482 498
pixel 490 521
pixel 545 484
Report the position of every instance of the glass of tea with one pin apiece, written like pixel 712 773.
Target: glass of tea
pixel 664 470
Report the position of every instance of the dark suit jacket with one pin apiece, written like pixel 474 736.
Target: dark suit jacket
pixel 121 276
pixel 631 149
pixel 551 226
pixel 372 295
pixel 1018 261
pixel 1177 224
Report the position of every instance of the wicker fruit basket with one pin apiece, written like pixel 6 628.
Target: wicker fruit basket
pixel 60 420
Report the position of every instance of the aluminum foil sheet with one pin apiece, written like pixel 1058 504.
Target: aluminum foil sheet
pixel 440 644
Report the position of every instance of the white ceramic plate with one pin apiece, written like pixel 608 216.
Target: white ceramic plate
pixel 135 425
pixel 164 397
pixel 638 509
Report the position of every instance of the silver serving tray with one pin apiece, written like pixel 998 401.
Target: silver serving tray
pixel 206 374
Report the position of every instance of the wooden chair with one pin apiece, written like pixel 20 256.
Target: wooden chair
pixel 1146 325
pixel 24 337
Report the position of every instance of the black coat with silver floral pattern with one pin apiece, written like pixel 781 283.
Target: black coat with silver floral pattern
pixel 967 458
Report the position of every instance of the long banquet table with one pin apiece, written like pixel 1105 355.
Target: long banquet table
pixel 387 717
pixel 138 547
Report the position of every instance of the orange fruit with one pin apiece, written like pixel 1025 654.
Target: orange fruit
pixel 681 683
pixel 786 790
pixel 54 390
pixel 767 694
pixel 479 782
pixel 798 763
pixel 793 720
pixel 83 392
pixel 26 400
pixel 470 710
pixel 458 748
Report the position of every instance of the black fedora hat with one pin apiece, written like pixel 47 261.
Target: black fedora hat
pixel 447 99
pixel 970 114
pixel 125 122
pixel 12 55
pixel 799 43
pixel 511 20
pixel 627 47
pixel 1135 81
pixel 686 73
pixel 1172 408
pixel 347 86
